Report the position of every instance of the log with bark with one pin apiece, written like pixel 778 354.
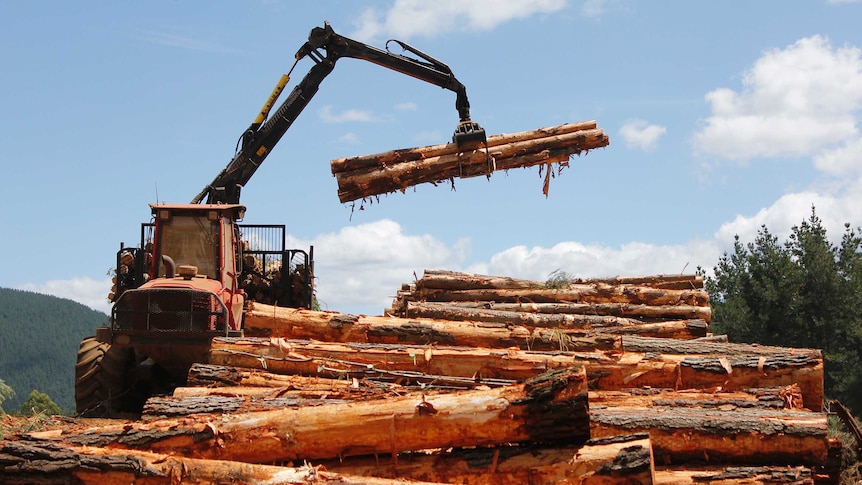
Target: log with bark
pixel 572 332
pixel 624 459
pixel 773 366
pixel 439 284
pixel 735 475
pixel 551 408
pixel 740 436
pixel 619 325
pixel 456 280
pixel 624 312
pixel 786 397
pixel 372 175
pixel 573 293
pixel 208 375
pixel 46 463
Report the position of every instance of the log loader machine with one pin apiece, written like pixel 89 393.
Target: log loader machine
pixel 197 267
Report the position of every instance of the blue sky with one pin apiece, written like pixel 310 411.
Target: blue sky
pixel 721 117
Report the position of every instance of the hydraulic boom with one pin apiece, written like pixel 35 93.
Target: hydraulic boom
pixel 325 47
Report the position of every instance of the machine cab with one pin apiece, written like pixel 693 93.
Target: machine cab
pixel 187 272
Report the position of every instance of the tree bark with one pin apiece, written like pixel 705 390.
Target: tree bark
pixel 742 436
pixel 552 408
pixel 735 475
pixel 625 459
pixel 43 463
pixel 733 369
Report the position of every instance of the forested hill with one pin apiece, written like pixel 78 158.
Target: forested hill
pixel 39 337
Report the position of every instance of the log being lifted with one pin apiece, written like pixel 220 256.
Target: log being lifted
pixel 624 459
pixel 39 463
pixel 731 366
pixel 550 408
pixel 372 175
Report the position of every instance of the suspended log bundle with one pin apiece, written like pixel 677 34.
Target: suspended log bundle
pixel 396 170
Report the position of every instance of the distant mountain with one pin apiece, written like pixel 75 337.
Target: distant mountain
pixel 39 337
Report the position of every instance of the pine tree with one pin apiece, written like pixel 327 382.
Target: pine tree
pixel 805 292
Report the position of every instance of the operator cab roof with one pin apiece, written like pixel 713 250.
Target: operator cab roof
pixel 234 211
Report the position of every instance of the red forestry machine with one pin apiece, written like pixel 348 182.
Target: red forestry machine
pixel 197 266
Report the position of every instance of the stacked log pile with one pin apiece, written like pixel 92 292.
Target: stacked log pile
pixel 470 379
pixel 372 175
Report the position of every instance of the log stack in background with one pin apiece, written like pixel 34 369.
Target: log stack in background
pixel 473 379
pixel 382 173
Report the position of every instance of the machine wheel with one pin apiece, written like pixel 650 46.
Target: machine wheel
pixel 100 379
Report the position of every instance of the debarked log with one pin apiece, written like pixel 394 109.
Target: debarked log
pixel 681 435
pixel 624 459
pixel 607 370
pixel 42 463
pixel 551 408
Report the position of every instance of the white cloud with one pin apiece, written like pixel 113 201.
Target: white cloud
pixel 349 138
pixel 408 18
pixel 84 290
pixel 843 160
pixel 794 102
pixel 586 261
pixel 406 106
pixel 641 134
pixel 791 209
pixel 593 8
pixel 363 266
pixel 351 115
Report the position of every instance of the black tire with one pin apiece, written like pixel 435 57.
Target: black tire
pixel 100 379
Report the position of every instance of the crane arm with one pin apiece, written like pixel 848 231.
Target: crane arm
pixel 265 132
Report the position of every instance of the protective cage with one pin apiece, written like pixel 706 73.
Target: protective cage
pixel 274 275
pixel 169 310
